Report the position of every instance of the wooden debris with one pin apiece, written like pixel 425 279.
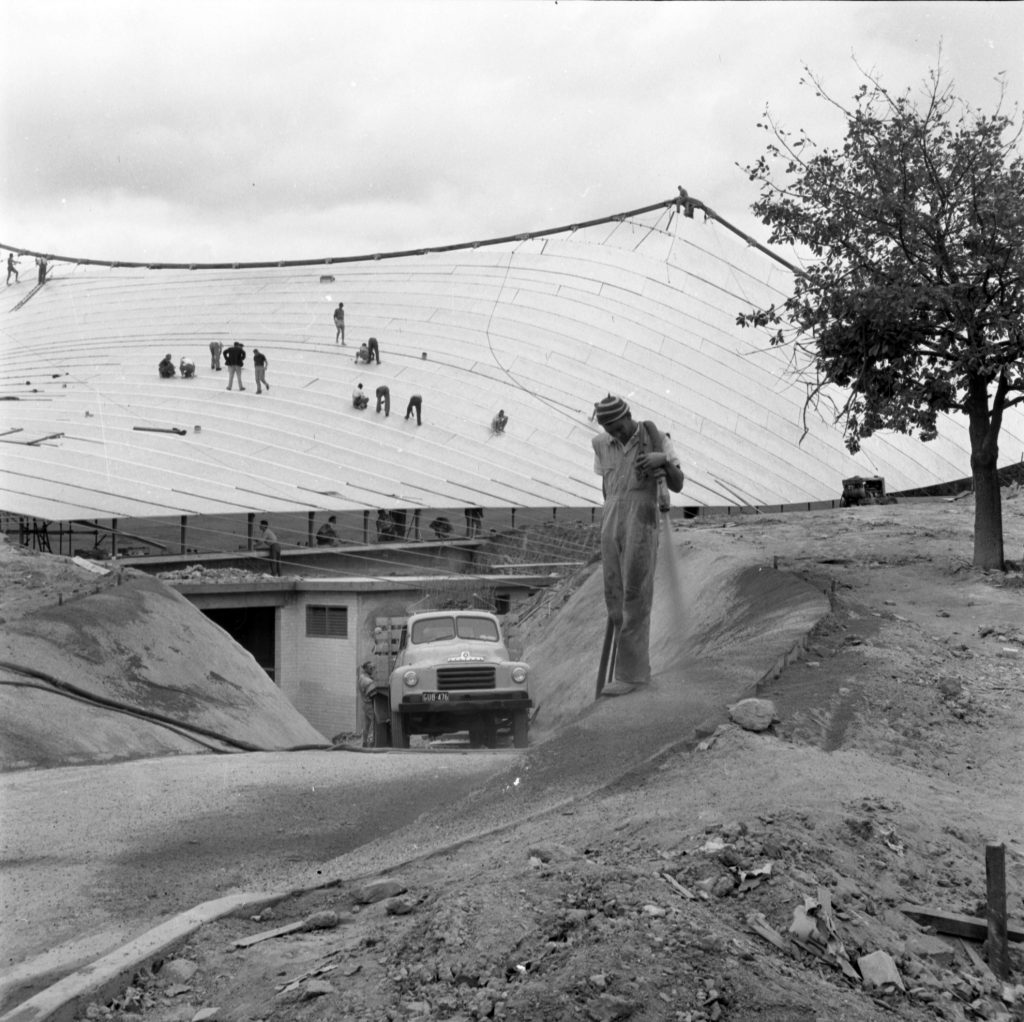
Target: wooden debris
pixel 757 922
pixel 677 886
pixel 280 931
pixel 309 974
pixel 976 960
pixel 996 946
pixel 325 920
pixel 970 927
pixel 148 429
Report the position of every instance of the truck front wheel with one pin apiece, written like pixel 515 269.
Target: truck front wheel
pixel 399 736
pixel 482 732
pixel 520 729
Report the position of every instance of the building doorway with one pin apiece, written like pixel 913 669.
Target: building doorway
pixel 253 628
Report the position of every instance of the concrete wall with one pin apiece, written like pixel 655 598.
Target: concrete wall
pixel 318 675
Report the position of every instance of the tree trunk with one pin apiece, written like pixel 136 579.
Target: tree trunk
pixel 988 517
pixel 988 508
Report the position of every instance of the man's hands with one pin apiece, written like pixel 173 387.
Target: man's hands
pixel 652 461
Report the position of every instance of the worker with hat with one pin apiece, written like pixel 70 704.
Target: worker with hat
pixel 632 458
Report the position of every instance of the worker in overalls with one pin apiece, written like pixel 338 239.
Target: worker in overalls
pixel 631 458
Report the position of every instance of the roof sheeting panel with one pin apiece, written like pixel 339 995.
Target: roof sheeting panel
pixel 542 328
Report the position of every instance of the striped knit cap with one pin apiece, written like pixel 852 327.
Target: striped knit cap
pixel 610 409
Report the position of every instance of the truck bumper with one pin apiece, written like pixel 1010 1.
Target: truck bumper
pixel 459 704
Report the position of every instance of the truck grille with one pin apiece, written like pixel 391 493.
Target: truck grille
pixel 465 677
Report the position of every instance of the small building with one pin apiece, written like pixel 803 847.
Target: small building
pixel 311 635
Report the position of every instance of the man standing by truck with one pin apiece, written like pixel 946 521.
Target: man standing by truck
pixel 630 457
pixel 367 685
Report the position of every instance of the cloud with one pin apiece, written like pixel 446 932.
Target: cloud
pixel 264 129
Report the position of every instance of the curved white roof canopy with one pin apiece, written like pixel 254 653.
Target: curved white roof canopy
pixel 644 306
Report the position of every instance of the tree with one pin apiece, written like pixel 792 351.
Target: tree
pixel 912 298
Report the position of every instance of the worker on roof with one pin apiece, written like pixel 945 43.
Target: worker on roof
pixel 187 367
pixel 166 367
pixel 339 323
pixel 327 535
pixel 234 359
pixel 267 540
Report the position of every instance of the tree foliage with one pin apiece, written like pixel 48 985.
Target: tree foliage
pixel 913 296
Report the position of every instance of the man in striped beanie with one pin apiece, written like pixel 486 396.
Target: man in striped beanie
pixel 630 457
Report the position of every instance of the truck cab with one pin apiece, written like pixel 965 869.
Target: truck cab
pixel 453 673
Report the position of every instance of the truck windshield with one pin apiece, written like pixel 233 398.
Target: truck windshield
pixel 437 629
pixel 478 628
pixel 434 629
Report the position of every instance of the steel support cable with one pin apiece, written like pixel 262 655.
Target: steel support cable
pixel 65 687
pixel 673 206
pixel 330 260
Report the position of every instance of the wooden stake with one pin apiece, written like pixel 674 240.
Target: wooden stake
pixel 996 946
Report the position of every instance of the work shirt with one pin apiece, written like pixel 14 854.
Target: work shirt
pixel 617 463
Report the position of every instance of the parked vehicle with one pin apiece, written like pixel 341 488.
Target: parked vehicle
pixel 453 673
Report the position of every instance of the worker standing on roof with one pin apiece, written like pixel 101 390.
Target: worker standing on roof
pixel 12 267
pixel 234 359
pixel 215 349
pixel 259 363
pixel 339 323
pixel 630 457
pixel 267 540
pixel 374 350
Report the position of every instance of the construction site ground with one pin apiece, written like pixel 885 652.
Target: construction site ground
pixel 729 875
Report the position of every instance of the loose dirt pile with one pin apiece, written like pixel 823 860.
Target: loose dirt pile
pixel 98 665
pixel 753 877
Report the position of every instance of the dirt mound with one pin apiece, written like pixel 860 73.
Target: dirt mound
pixel 79 641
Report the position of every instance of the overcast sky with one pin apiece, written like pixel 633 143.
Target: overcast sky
pixel 206 130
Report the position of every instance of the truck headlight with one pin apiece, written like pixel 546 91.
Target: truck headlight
pixel 519 675
pixel 410 680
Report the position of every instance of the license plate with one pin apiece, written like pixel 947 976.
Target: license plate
pixel 435 697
